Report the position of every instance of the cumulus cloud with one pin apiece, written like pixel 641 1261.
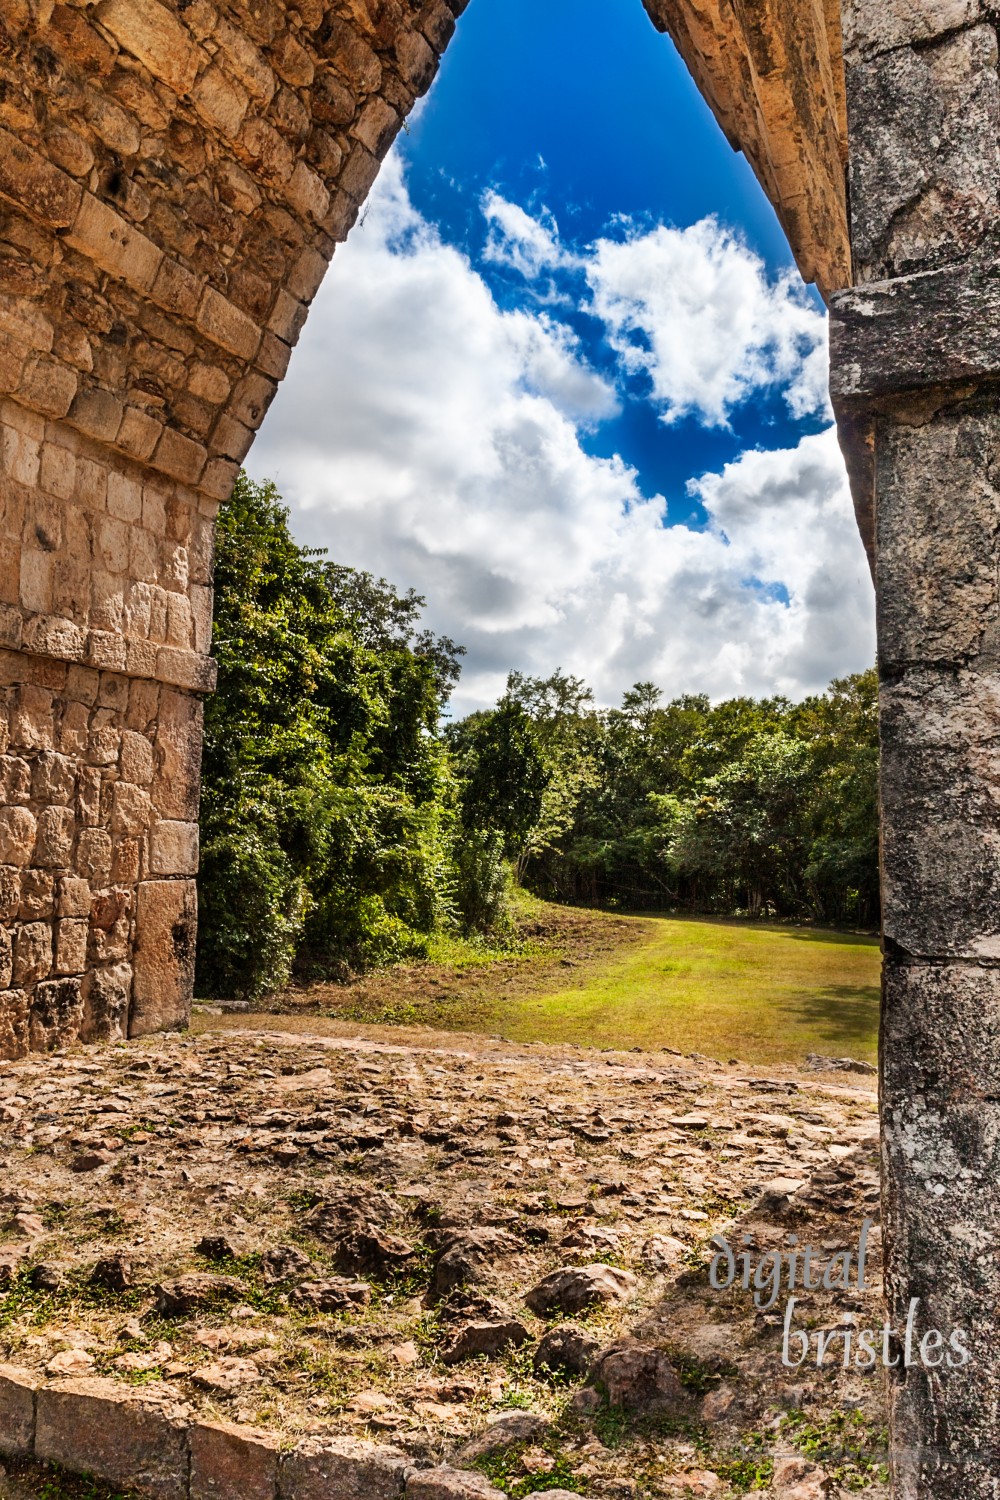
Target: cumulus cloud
pixel 694 311
pixel 528 245
pixel 428 435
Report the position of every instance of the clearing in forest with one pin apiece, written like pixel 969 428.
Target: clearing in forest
pixel 759 992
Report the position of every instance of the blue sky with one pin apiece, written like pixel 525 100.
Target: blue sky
pixel 582 107
pixel 563 380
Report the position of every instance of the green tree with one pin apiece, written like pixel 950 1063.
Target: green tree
pixel 328 803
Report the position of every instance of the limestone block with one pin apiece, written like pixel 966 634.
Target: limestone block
pixel 13 1024
pixel 377 126
pixel 227 326
pixel 31 723
pixel 349 1468
pixel 6 958
pixel 56 1014
pixel 37 896
pixel 451 1484
pixel 245 62
pixel 230 1462
pixel 93 855
pixel 124 497
pixel 103 1428
pixel 73 729
pixel 173 848
pixel 126 861
pixel 924 153
pixel 872 26
pixel 416 59
pixel 941 1122
pixel 54 839
pixel 178 755
pixel 937 500
pixel 131 810
pixel 88 796
pixel 17 1407
pixel 180 457
pixel 53 635
pixel 27 179
pixel 32 953
pixel 221 102
pixel 54 778
pixel 136 760
pixel 17 835
pixel 941 801
pixel 15 779
pixel 152 34
pixel 73 897
pixel 351 56
pixel 71 946
pixel 107 992
pixel 10 892
pixel 166 928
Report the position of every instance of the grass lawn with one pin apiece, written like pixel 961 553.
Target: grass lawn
pixel 761 993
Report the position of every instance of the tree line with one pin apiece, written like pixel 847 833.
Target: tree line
pixel 346 820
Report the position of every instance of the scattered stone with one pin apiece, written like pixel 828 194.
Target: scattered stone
pixel 485 1338
pixel 796 1478
pixel 718 1404
pixel 70 1362
pixel 114 1274
pixel 585 1401
pixel 505 1432
pixel 566 1348
pixel 469 1257
pixel 817 1064
pixel 46 1277
pixel 191 1293
pixel 216 1247
pixel 333 1294
pixel 89 1161
pixel 662 1252
pixel 636 1375
pixel 284 1263
pixel 450 1484
pixel 778 1193
pixel 227 1376
pixel 371 1252
pixel 574 1288
pixel 348 1209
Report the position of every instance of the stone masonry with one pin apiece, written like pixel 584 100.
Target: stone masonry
pixel 173 181
pixel 915 365
pixel 174 178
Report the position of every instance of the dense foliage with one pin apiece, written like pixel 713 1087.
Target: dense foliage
pixel 328 800
pixel 342 827
pixel 757 806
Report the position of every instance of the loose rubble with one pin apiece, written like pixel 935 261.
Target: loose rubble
pixel 491 1258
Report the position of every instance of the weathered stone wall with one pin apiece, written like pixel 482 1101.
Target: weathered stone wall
pixel 773 74
pixel 173 181
pixel 916 360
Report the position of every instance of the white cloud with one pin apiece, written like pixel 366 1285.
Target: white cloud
pixel 694 311
pixel 528 245
pixel 427 435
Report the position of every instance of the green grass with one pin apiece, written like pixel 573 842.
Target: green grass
pixel 762 993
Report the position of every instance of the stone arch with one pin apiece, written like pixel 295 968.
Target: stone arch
pixel 174 177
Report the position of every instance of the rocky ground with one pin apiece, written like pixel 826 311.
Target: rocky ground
pixel 491 1254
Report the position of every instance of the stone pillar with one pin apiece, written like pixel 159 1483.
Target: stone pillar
pixel 174 177
pixel 916 365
